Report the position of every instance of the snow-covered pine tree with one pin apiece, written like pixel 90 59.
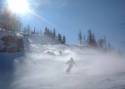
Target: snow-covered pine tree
pixel 91 39
pixel 80 38
pixel 54 33
pixel 64 40
pixel 60 38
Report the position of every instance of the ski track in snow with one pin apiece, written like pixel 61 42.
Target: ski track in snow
pixel 44 68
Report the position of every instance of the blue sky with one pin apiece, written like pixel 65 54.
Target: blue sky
pixel 104 17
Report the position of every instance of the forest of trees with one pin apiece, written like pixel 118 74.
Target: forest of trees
pixel 92 42
pixel 54 35
pixel 10 23
pixel 51 34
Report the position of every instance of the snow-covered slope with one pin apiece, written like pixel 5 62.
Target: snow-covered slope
pixel 44 67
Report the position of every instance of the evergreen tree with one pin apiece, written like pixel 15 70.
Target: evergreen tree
pixel 46 31
pixel 34 31
pixel 64 40
pixel 102 43
pixel 109 46
pixel 50 34
pixel 91 39
pixel 80 37
pixel 60 38
pixel 54 33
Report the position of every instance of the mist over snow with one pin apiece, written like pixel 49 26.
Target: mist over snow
pixel 78 48
pixel 44 67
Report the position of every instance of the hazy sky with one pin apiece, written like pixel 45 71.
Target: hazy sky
pixel 104 17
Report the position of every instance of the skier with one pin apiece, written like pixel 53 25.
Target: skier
pixel 70 64
pixel 60 52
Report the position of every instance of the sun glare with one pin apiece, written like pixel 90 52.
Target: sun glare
pixel 20 7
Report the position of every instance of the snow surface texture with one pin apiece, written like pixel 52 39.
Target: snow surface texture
pixel 44 67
